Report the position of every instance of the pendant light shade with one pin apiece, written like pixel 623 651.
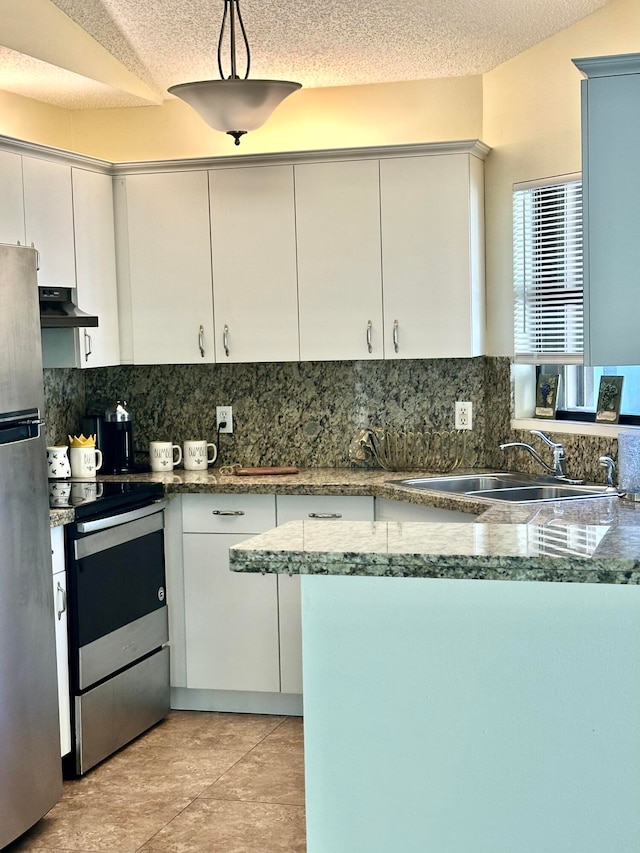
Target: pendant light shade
pixel 234 105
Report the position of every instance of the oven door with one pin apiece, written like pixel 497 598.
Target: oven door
pixel 117 602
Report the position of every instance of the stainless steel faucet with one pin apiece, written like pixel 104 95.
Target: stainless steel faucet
pixel 558 468
pixel 608 463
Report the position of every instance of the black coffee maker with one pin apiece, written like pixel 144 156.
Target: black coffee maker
pixel 116 430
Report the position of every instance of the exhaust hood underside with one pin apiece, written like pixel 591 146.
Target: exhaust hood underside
pixel 58 311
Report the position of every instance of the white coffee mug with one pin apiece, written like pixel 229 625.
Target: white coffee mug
pixel 58 463
pixel 164 456
pixel 85 461
pixel 196 456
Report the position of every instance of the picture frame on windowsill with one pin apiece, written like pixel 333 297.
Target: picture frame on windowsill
pixel 547 395
pixel 609 399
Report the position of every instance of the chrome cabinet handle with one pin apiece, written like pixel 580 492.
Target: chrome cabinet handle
pixel 325 515
pixel 201 340
pixel 227 512
pixel 88 345
pixel 62 593
pixel 369 328
pixel 395 335
pixel 225 340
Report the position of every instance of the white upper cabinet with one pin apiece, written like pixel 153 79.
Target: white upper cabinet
pixel 12 205
pixel 339 275
pixel 432 256
pixel 611 191
pixel 165 268
pixel 48 209
pixel 96 267
pixel 253 240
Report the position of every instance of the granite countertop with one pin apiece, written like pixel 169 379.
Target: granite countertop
pixel 596 540
pixel 554 551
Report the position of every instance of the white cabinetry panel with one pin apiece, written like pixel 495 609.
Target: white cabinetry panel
pixel 48 208
pixel 169 268
pixel 62 643
pixel 339 275
pixel 12 205
pixel 231 619
pixel 96 267
pixel 253 240
pixel 432 256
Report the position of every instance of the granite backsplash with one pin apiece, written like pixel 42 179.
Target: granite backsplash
pixel 305 413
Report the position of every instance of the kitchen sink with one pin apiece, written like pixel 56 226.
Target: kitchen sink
pixel 462 483
pixel 499 486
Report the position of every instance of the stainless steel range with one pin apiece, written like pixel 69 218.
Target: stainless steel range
pixel 118 626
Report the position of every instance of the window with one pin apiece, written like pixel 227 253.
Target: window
pixel 548 298
pixel 547 256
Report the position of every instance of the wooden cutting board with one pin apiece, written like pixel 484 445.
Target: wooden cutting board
pixel 265 469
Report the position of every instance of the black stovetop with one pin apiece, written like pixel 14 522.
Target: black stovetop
pixel 95 498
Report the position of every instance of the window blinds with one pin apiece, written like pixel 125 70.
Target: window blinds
pixel 547 250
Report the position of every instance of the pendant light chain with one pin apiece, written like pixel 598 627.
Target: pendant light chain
pixel 231 9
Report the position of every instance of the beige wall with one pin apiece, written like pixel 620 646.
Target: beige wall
pixel 342 117
pixel 33 121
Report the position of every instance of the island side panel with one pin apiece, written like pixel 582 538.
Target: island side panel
pixel 464 715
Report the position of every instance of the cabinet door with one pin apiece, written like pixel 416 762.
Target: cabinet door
pixel 48 213
pixel 339 276
pixel 388 510
pixel 432 262
pixel 62 643
pixel 12 206
pixel 170 268
pixel 611 188
pixel 96 266
pixel 253 242
pixel 296 508
pixel 231 619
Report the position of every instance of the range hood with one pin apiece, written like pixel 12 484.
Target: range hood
pixel 58 311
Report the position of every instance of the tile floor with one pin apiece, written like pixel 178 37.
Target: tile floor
pixel 197 782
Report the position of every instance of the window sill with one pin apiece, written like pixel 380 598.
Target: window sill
pixel 572 427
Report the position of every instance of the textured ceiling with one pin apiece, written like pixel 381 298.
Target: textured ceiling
pixel 315 42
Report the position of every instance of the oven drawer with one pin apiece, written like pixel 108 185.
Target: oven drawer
pixel 115 712
pixel 228 513
pixel 118 649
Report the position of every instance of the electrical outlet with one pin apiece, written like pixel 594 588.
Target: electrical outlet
pixel 463 415
pixel 224 414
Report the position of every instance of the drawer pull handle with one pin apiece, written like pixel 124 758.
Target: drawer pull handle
pixel 369 330
pixel 201 340
pixel 396 336
pixel 62 596
pixel 227 512
pixel 325 515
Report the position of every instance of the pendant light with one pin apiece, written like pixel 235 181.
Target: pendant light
pixel 234 105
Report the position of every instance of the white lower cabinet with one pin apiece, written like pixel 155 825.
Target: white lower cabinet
pixel 297 508
pixel 231 618
pixel 62 656
pixel 388 510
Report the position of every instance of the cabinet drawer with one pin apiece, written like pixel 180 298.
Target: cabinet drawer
pixel 228 513
pixel 299 507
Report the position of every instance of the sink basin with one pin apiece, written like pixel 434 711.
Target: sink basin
pixel 462 483
pixel 501 486
pixel 526 494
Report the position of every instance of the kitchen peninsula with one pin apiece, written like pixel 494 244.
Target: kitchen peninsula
pixel 469 687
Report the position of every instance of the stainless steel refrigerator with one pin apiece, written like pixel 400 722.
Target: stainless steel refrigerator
pixel 30 764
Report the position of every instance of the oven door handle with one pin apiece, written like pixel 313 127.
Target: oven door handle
pixel 121 518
